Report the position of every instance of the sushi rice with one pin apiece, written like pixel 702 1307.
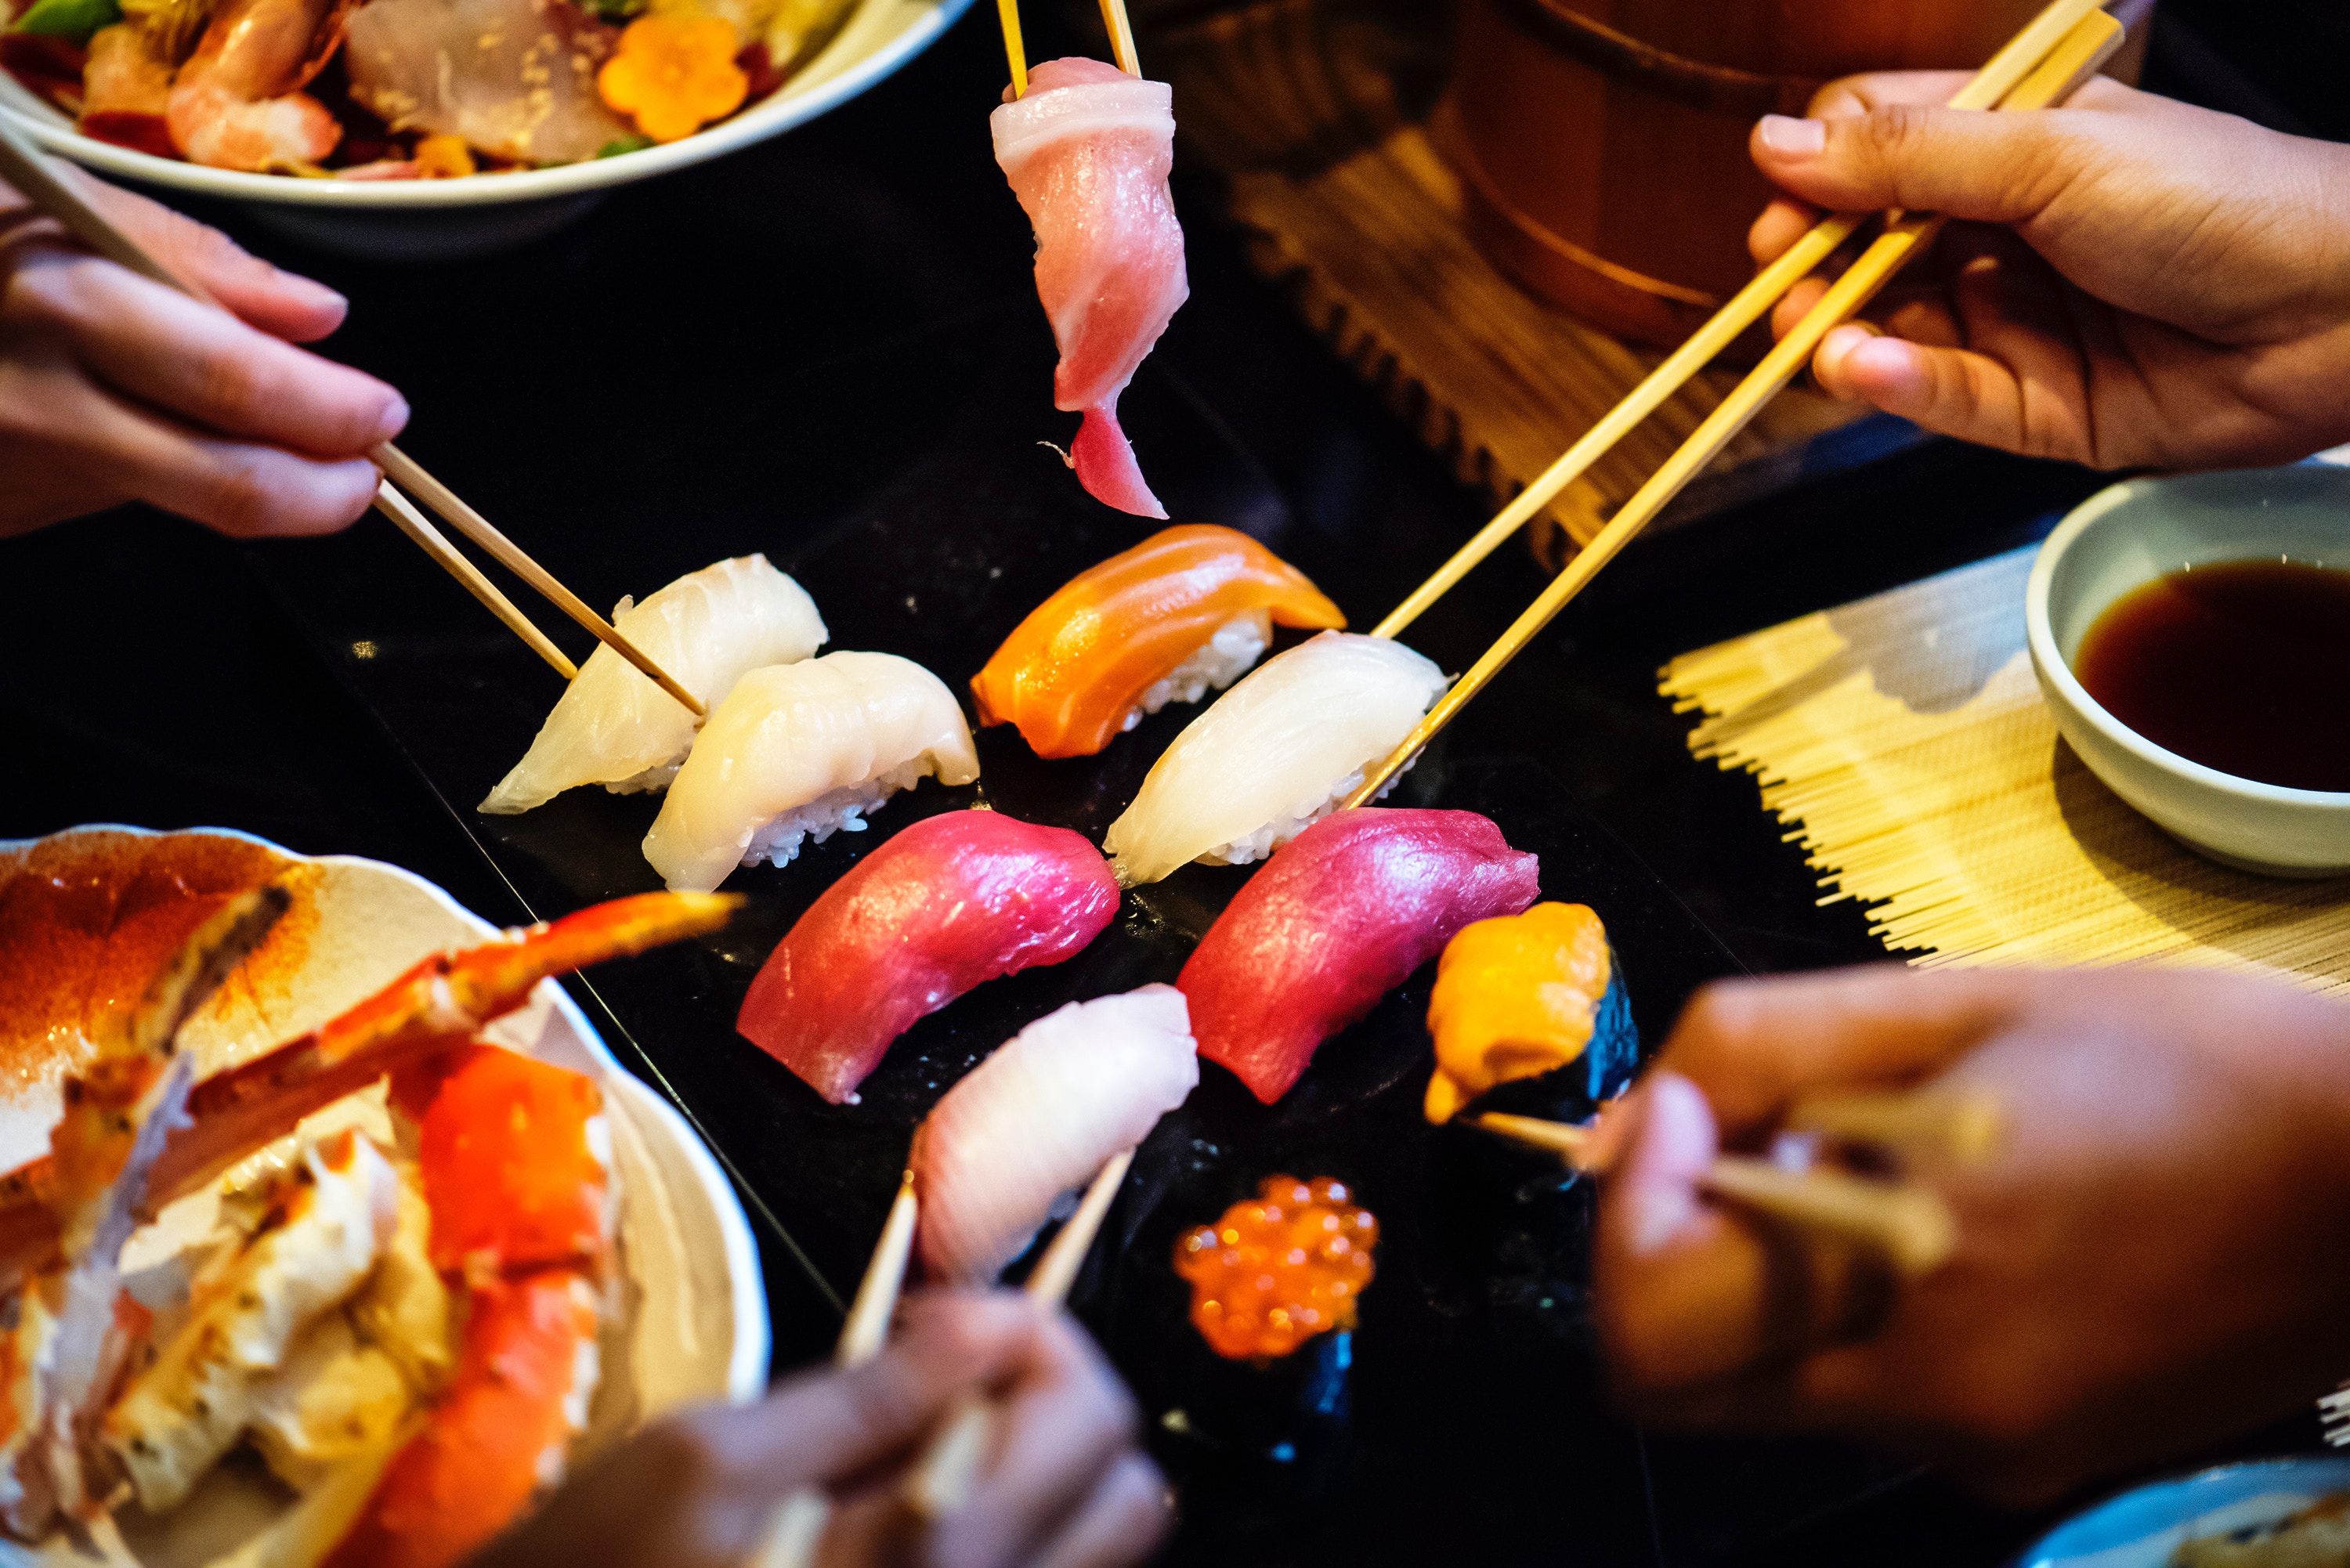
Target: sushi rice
pixel 842 811
pixel 1223 659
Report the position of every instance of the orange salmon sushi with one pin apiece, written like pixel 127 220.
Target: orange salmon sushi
pixel 1186 611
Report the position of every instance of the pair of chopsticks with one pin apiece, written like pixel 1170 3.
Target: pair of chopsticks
pixel 22 166
pixel 1908 1227
pixel 942 1479
pixel 1114 18
pixel 2041 65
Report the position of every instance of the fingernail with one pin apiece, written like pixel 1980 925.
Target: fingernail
pixel 395 418
pixel 1793 138
pixel 318 293
pixel 1658 1215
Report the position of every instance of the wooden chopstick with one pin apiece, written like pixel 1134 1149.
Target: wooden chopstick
pixel 1008 13
pixel 942 1480
pixel 24 168
pixel 796 1528
pixel 416 526
pixel 406 471
pixel 1909 1226
pixel 1121 36
pixel 2000 76
pixel 2088 46
pixel 1957 1126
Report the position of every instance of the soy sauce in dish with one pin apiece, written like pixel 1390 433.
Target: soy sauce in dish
pixel 2242 666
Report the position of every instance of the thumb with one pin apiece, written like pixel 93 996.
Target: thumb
pixel 282 303
pixel 1970 164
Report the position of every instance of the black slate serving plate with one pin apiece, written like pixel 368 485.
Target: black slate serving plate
pixel 1478 1307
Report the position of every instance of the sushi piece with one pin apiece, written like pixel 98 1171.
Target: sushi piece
pixel 612 726
pixel 1277 1268
pixel 1038 1118
pixel 802 749
pixel 1186 610
pixel 1337 919
pixel 1087 150
pixel 1516 996
pixel 950 902
pixel 1278 751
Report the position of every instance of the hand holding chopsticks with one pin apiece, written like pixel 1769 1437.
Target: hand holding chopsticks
pixel 2043 64
pixel 24 168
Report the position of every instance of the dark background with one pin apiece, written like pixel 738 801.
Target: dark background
pixel 644 366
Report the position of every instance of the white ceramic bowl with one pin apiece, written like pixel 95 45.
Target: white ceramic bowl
pixel 431 219
pixel 2131 535
pixel 696 1328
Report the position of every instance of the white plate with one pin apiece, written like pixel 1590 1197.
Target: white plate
pixel 697 1328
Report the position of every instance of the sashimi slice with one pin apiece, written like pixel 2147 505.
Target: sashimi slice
pixel 1038 1118
pixel 612 726
pixel 1333 923
pixel 1274 753
pixel 1087 151
pixel 805 749
pixel 950 902
pixel 1090 661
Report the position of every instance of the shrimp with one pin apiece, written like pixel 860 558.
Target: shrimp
pixel 238 103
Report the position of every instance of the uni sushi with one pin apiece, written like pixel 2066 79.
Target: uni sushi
pixel 1186 611
pixel 805 749
pixel 1274 753
pixel 1516 996
pixel 612 726
pixel 1038 1118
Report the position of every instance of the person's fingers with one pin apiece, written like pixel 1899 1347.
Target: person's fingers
pixel 201 365
pixel 824 1424
pixel 1982 168
pixel 1751 1045
pixel 1065 1423
pixel 1704 1311
pixel 1128 1514
pixel 1857 95
pixel 282 303
pixel 1783 223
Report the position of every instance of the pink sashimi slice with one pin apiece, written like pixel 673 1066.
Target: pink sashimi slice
pixel 1105 462
pixel 1087 151
pixel 954 901
pixel 1336 919
pixel 1038 1118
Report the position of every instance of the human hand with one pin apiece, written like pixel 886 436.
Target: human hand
pixel 1065 1486
pixel 114 388
pixel 2152 1258
pixel 2134 282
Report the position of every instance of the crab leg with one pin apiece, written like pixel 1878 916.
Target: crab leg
pixel 442 1001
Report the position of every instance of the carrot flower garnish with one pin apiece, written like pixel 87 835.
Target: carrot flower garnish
pixel 675 74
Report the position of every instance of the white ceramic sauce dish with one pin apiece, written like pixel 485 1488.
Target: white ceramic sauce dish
pixel 430 220
pixel 2131 535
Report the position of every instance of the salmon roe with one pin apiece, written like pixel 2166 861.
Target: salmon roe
pixel 1278 1269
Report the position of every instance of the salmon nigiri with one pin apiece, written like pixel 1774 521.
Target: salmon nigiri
pixel 1185 612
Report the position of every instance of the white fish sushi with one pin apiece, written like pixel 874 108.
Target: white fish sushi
pixel 1039 1117
pixel 1277 751
pixel 612 726
pixel 801 749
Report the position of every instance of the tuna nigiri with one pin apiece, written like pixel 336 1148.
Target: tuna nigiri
pixel 802 749
pixel 1186 610
pixel 1038 1118
pixel 1338 918
pixel 1087 150
pixel 1275 753
pixel 951 901
pixel 614 727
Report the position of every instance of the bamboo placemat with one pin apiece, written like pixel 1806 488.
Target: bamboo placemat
pixel 1903 741
pixel 1318 113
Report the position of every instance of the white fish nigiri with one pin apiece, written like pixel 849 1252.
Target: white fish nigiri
pixel 805 748
pixel 1039 1117
pixel 612 726
pixel 1276 753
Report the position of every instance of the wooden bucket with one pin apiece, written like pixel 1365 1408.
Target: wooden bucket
pixel 1602 142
